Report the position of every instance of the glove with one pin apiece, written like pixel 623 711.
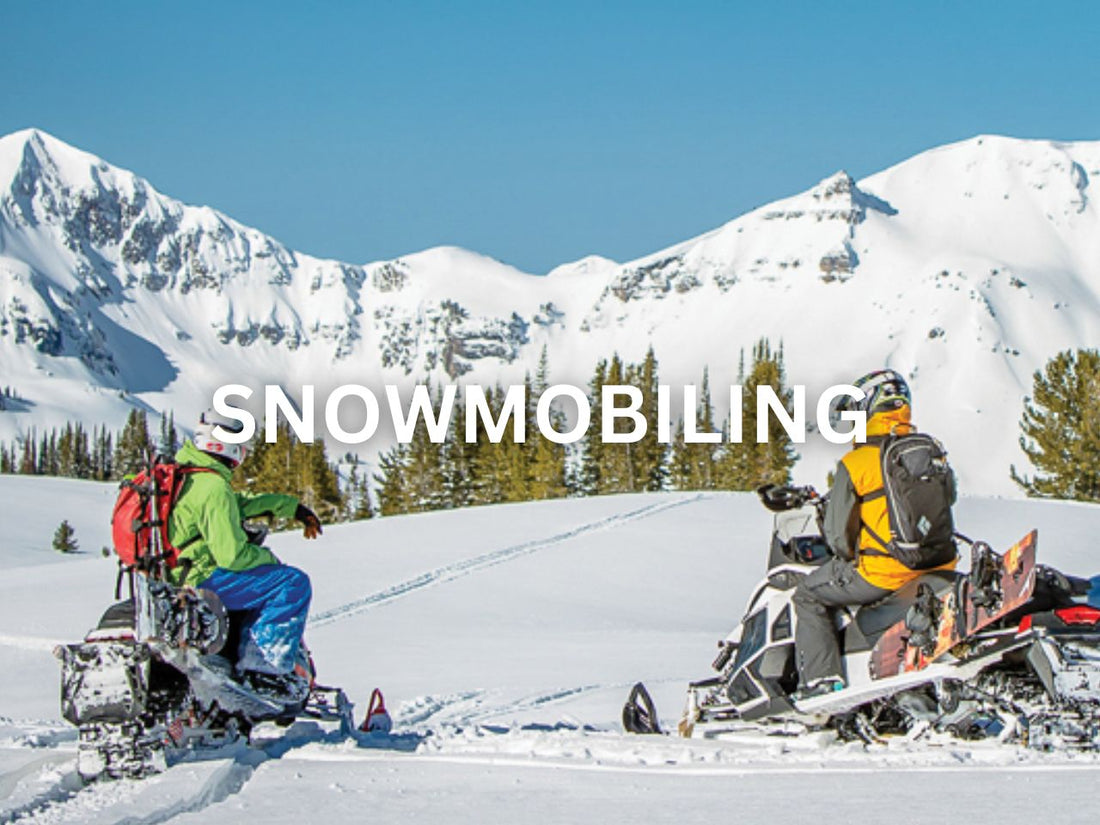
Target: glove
pixel 309 519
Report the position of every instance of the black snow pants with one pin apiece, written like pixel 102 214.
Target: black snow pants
pixel 835 584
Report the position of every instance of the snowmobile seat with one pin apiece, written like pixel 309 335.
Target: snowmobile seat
pixel 119 616
pixel 872 620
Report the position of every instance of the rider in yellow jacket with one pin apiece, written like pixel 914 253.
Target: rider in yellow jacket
pixel 857 528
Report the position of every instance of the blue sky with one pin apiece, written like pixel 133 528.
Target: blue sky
pixel 534 133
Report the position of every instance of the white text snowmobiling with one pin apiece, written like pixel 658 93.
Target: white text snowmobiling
pixel 155 677
pixel 1011 650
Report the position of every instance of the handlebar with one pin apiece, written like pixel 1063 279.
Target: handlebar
pixel 779 498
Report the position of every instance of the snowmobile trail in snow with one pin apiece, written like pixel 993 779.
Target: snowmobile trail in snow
pixel 189 786
pixel 481 706
pixel 450 572
pixel 29 642
pixel 68 798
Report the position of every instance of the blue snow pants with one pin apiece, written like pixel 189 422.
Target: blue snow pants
pixel 275 599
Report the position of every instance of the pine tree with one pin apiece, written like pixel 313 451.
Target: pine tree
pixel 777 454
pixel 424 471
pixel 1061 428
pixel 616 469
pixel 133 446
pixel 394 497
pixel 492 467
pixel 101 454
pixel 318 486
pixel 72 457
pixel 749 464
pixel 457 461
pixel 64 540
pixel 545 459
pixel 28 463
pixel 679 463
pixel 650 455
pixel 169 437
pixel 295 468
pixel 694 464
pixel 592 451
pixel 358 497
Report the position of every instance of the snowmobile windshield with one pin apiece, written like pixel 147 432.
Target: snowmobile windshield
pixel 753 637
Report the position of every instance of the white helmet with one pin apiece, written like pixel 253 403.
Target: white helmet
pixel 206 441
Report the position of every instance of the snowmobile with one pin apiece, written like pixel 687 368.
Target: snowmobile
pixel 1009 650
pixel 155 678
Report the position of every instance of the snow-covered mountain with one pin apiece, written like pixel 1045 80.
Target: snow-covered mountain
pixel 965 267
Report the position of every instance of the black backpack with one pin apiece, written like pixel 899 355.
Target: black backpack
pixel 920 488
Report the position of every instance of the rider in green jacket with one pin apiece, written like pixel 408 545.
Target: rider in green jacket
pixel 208 514
pixel 272 598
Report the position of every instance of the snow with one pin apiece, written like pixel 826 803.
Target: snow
pixel 965 267
pixel 28 537
pixel 505 639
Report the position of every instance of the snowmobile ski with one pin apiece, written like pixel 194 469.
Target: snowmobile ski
pixel 639 712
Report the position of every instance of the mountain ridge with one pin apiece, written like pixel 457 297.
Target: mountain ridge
pixel 965 267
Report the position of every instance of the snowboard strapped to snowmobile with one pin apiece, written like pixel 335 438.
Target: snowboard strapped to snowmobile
pixel 1011 649
pixel 157 675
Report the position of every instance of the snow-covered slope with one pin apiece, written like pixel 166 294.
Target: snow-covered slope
pixel 965 267
pixel 506 639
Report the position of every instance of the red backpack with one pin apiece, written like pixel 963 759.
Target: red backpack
pixel 145 502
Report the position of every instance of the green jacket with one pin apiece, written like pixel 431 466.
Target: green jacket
pixel 209 513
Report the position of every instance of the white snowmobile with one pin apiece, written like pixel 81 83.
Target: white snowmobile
pixel 155 677
pixel 1011 650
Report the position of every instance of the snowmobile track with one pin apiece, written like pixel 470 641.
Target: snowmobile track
pixel 68 797
pixel 480 707
pixel 57 793
pixel 450 572
pixel 225 782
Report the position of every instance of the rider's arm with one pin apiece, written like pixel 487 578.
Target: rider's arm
pixel 840 512
pixel 220 526
pixel 277 504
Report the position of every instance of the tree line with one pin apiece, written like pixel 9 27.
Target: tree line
pixel 425 475
pixel 99 454
pixel 1060 434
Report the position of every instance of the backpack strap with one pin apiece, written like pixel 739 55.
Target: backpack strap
pixel 866 551
pixel 872 495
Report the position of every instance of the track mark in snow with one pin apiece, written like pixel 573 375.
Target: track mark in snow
pixel 29 642
pixel 228 780
pixel 482 707
pixel 48 805
pixel 9 780
pixel 450 572
pixel 629 763
pixel 68 799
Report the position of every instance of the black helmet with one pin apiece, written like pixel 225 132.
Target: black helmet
pixel 883 391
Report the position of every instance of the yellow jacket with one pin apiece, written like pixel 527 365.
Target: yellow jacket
pixel 856 503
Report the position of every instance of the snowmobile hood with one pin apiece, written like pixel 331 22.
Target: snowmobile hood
pixel 192 456
pixel 899 421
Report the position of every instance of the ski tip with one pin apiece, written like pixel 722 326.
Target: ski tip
pixel 639 712
pixel 377 721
